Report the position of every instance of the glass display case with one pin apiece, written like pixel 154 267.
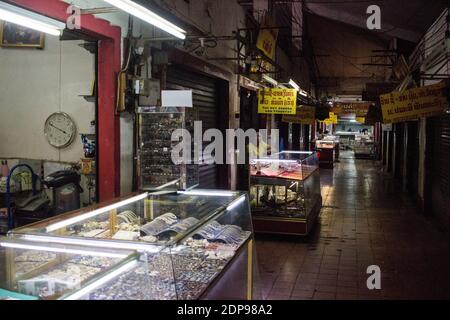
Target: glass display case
pixel 285 193
pixel 155 166
pixel 190 245
pixel 326 150
pixel 364 147
pixel 32 271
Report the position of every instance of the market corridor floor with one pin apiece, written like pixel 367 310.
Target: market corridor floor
pixel 365 221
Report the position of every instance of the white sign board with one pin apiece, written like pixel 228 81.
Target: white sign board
pixel 176 98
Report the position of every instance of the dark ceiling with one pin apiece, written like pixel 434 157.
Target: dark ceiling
pixel 404 19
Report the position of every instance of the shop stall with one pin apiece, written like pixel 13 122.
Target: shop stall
pixel 285 193
pixel 326 150
pixel 168 246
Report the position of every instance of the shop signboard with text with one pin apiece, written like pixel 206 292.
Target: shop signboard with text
pixel 304 115
pixel 267 39
pixel 409 105
pixel 332 119
pixel 277 101
pixel 358 109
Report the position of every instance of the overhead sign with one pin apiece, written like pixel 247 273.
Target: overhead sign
pixel 413 104
pixel 267 39
pixel 304 115
pixel 361 120
pixel 277 101
pixel 332 119
pixel 359 109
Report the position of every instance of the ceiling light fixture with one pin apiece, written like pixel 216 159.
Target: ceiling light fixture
pixel 270 80
pixel 148 16
pixel 294 85
pixel 31 20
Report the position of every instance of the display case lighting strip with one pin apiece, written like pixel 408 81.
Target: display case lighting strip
pixel 297 152
pixel 62 250
pixel 148 16
pixel 100 282
pixel 82 217
pixel 94 243
pixel 207 193
pixel 31 20
pixel 275 160
pixel 236 203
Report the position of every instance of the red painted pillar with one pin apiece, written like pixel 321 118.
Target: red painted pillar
pixel 108 122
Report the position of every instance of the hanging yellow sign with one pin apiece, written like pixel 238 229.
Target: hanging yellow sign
pixel 332 119
pixel 413 104
pixel 267 39
pixel 361 120
pixel 304 115
pixel 277 101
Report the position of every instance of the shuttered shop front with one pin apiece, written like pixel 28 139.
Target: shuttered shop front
pixel 205 100
pixel 439 128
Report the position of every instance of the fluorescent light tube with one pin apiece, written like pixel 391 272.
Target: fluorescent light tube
pixel 94 213
pixel 13 245
pixel 109 244
pixel 236 203
pixel 303 93
pixel 270 80
pixel 294 85
pixel 148 16
pixel 296 152
pixel 30 19
pixel 100 282
pixel 208 193
pixel 275 160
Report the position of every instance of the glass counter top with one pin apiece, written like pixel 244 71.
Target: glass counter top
pixel 290 165
pixel 136 222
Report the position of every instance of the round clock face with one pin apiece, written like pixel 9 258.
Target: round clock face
pixel 60 130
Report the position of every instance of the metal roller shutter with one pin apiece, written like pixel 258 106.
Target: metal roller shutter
pixel 205 99
pixel 440 193
pixel 413 158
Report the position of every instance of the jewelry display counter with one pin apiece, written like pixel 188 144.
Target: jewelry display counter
pixel 327 153
pixel 185 245
pixel 285 193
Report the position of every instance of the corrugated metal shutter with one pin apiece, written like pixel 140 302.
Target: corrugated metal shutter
pixel 413 158
pixel 205 96
pixel 441 170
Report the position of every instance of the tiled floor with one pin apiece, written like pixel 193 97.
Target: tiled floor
pixel 365 221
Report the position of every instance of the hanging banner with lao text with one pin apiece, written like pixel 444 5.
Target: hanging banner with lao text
pixel 304 115
pixel 358 109
pixel 413 104
pixel 277 101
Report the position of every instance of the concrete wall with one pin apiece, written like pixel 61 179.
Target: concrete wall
pixel 33 85
pixel 36 83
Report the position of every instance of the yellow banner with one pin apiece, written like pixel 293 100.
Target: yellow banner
pixel 413 104
pixel 361 120
pixel 267 39
pixel 304 115
pixel 277 101
pixel 332 119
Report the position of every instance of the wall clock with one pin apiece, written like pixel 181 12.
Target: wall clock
pixel 60 130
